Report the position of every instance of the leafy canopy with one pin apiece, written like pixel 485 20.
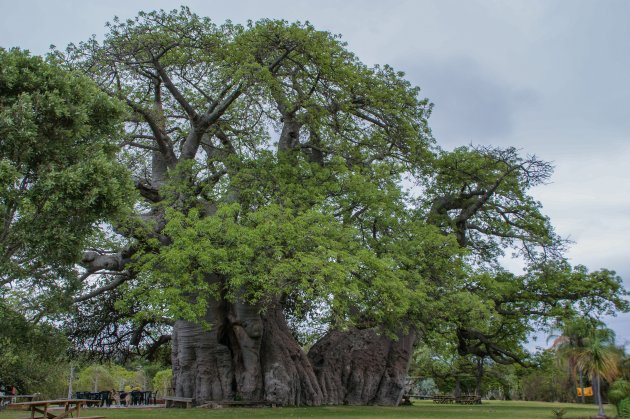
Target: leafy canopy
pixel 58 173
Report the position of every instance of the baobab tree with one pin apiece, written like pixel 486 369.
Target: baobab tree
pixel 269 165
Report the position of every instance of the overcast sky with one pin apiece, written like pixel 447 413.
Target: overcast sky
pixel 549 77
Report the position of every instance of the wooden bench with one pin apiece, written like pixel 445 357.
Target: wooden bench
pixel 171 401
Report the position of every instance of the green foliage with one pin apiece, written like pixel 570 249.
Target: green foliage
pixel 481 195
pixel 105 377
pixel 58 175
pixel 308 256
pixel 32 357
pixel 546 380
pixel 618 391
pixel 624 408
pixel 325 227
pixel 95 378
pixel 163 382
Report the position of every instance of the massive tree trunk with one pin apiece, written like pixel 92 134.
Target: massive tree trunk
pixel 458 387
pixel 252 357
pixel 244 356
pixel 361 367
pixel 478 376
pixel 288 374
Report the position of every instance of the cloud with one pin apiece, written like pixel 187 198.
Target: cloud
pixel 471 104
pixel 587 201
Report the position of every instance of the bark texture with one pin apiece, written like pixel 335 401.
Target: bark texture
pixel 252 357
pixel 289 378
pixel 361 367
pixel 245 356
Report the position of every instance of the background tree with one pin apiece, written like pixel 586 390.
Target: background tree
pixel 588 347
pixel 58 176
pixel 163 382
pixel 599 357
pixel 437 358
pixel 618 391
pixel 58 180
pixel 451 372
pixel 568 344
pixel 33 358
pixel 95 378
pixel 546 380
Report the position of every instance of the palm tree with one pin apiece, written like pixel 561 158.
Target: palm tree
pixel 570 340
pixel 600 359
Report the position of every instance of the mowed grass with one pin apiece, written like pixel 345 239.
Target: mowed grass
pixel 421 409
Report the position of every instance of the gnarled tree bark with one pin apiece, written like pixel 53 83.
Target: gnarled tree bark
pixel 244 356
pixel 362 367
pixel 252 357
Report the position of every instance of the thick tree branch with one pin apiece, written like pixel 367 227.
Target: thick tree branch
pixel 149 193
pixel 151 352
pixel 369 119
pixel 94 261
pixel 191 145
pixel 485 347
pixel 177 95
pixel 139 145
pixel 161 138
pixel 119 280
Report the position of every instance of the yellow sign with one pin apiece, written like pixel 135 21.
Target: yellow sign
pixel 588 391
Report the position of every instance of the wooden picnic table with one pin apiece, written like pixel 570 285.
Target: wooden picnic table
pixel 443 399
pixel 469 399
pixel 66 407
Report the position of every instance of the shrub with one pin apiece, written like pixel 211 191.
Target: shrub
pixel 163 381
pixel 619 390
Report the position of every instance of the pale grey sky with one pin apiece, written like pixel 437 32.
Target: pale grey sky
pixel 547 76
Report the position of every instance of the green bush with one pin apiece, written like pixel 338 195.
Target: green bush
pixel 32 356
pixel 163 381
pixel 95 378
pixel 619 390
pixel 623 410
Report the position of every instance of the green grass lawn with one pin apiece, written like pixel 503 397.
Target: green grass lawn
pixel 421 409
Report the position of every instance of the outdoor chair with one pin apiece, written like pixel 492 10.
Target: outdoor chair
pixel 105 398
pixel 137 397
